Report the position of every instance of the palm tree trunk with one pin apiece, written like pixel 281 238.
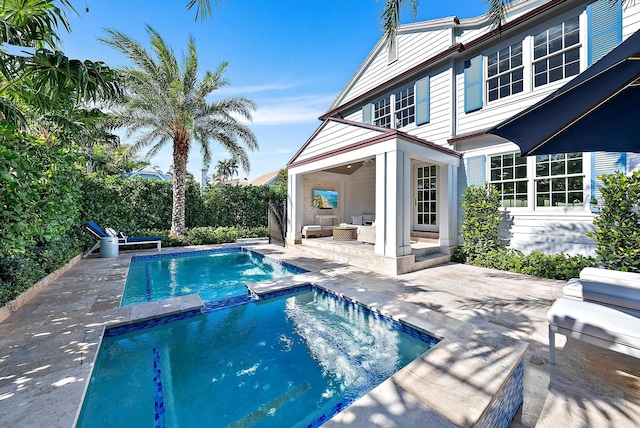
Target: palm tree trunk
pixel 180 156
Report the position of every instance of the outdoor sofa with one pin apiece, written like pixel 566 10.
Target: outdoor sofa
pixel 602 307
pixel 100 232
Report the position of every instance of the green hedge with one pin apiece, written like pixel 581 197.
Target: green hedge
pixel 47 199
pixel 132 205
pixel 552 266
pixel 617 232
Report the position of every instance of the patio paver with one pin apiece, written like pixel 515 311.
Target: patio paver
pixel 47 347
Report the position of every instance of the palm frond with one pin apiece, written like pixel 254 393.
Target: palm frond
pixel 497 12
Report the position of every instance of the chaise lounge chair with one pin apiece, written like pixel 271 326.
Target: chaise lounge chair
pixel 94 228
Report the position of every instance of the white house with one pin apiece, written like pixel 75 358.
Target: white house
pixel 406 135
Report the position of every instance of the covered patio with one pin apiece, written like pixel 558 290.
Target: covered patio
pixel 406 186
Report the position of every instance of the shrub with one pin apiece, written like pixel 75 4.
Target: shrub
pixel 552 266
pixel 617 232
pixel 480 221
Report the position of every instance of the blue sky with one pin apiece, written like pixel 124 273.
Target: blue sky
pixel 291 57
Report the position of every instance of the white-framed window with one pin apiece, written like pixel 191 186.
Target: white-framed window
pixel 382 112
pixel 508 174
pixel 405 107
pixel 560 180
pixel 556 52
pixel 505 72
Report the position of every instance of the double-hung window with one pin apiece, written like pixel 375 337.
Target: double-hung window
pixel 505 72
pixel 556 53
pixel 559 180
pixel 382 112
pixel 509 177
pixel 405 107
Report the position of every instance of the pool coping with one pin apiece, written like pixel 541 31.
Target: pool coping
pixel 457 383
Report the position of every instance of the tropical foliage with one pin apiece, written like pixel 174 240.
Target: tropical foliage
pixel 617 232
pixel 41 89
pixel 166 103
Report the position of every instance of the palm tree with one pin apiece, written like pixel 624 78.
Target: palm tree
pixel 165 102
pixel 222 170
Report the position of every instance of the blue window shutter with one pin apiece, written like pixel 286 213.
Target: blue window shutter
pixel 604 28
pixel 604 163
pixel 367 113
pixel 475 167
pixel 473 84
pixel 423 110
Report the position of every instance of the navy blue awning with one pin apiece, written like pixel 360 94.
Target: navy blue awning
pixel 598 110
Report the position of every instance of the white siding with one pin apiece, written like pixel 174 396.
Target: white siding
pixel 630 19
pixel 413 48
pixel 361 191
pixel 560 233
pixel 334 136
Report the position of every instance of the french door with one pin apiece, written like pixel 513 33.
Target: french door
pixel 425 201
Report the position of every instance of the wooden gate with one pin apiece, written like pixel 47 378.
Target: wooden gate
pixel 277 221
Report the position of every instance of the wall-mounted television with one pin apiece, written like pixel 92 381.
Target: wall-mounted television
pixel 325 199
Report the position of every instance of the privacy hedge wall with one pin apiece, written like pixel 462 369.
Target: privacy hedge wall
pixel 47 199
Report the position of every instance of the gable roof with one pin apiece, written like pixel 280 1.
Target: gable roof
pixel 339 106
pixel 267 178
pixel 336 136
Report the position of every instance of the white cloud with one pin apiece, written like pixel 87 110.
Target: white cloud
pixel 287 110
pixel 250 89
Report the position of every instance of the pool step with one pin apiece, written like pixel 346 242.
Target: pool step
pixel 267 408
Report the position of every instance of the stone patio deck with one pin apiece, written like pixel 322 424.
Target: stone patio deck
pixel 47 347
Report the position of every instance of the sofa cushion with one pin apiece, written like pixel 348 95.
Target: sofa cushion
pixel 357 220
pixel 609 294
pixel 596 320
pixel 312 227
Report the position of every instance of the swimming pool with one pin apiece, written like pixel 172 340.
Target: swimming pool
pixel 213 274
pixel 287 361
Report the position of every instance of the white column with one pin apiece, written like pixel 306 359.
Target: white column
pixel 294 209
pixel 398 203
pixel 448 206
pixel 381 203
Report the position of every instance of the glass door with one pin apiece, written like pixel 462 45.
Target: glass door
pixel 426 198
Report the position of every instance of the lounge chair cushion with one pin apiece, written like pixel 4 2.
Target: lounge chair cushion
pixel 142 238
pixel 609 294
pixel 628 279
pixel 95 228
pixel 596 320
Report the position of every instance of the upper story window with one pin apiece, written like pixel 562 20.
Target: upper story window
pixel 405 107
pixel 559 180
pixel 505 72
pixel 382 113
pixel 509 176
pixel 556 53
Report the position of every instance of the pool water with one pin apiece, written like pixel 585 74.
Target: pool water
pixel 288 361
pixel 214 275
